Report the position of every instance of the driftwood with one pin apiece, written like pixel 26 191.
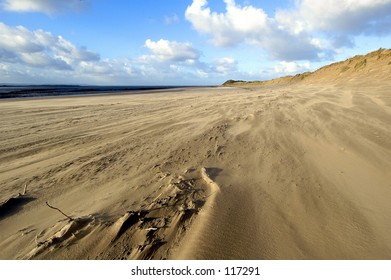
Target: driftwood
pixel 55 208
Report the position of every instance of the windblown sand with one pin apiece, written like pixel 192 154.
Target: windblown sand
pixel 281 172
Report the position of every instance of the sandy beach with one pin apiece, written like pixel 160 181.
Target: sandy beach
pixel 292 170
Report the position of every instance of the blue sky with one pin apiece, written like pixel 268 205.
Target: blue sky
pixel 182 42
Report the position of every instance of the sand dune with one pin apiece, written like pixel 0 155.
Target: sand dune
pixel 374 66
pixel 295 170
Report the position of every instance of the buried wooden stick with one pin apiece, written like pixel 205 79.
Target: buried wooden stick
pixel 70 218
pixel 25 189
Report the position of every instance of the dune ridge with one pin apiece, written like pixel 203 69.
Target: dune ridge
pixel 376 64
pixel 295 168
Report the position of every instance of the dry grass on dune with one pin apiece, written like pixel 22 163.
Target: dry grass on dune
pixel 373 66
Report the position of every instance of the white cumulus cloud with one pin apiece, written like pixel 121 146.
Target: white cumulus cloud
pixel 250 25
pixel 38 56
pixel 285 67
pixel 45 6
pixel 40 49
pixel 338 20
pixel 171 50
pixel 225 65
pixel 230 28
pixel 345 15
pixel 309 30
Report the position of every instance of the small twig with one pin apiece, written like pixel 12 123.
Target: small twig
pixel 25 189
pixel 70 218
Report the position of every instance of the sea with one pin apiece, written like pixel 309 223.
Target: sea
pixel 31 91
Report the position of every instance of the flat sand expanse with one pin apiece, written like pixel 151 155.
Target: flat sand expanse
pixel 294 172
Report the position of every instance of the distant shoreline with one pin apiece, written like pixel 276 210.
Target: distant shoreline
pixel 32 91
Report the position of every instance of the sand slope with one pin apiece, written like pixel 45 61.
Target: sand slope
pixel 374 66
pixel 300 171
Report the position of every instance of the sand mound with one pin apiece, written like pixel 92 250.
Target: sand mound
pixel 375 66
pixel 14 203
pixel 150 232
pixel 155 229
pixel 61 235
